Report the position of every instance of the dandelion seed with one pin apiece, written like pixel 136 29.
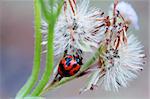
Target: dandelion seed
pixel 119 65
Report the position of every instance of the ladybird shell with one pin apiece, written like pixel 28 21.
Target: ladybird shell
pixel 68 66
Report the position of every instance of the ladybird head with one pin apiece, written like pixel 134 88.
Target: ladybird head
pixel 78 59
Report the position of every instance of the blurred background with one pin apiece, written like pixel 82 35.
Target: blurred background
pixel 17 45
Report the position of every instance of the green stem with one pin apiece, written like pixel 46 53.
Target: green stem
pixel 44 10
pixel 52 18
pixel 49 63
pixel 26 89
pixel 85 67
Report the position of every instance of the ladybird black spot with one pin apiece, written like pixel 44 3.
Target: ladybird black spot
pixel 65 73
pixel 61 65
pixel 66 58
pixel 68 63
pixel 74 65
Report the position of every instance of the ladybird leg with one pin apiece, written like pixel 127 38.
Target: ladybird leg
pixel 58 76
pixel 65 53
pixel 55 79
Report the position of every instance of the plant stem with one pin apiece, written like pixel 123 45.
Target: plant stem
pixel 51 19
pixel 85 67
pixel 26 89
pixel 49 63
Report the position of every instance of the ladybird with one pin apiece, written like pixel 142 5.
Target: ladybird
pixel 69 65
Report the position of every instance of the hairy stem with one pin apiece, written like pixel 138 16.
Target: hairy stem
pixel 26 89
pixel 49 64
pixel 53 15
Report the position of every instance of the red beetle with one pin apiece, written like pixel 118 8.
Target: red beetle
pixel 69 65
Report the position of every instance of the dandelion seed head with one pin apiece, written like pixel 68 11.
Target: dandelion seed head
pixel 81 30
pixel 123 64
pixel 118 66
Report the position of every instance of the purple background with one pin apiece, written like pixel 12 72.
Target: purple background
pixel 17 45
